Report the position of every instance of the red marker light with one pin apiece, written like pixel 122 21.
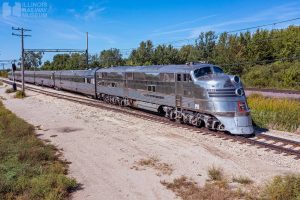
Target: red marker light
pixel 242 107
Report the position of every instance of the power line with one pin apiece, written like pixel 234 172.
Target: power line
pixel 238 30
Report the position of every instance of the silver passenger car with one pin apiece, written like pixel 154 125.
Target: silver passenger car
pixel 44 78
pixel 81 81
pixel 29 76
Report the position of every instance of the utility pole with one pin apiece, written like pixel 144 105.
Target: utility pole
pixel 87 49
pixel 21 34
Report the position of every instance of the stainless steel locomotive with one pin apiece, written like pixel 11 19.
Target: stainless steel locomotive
pixel 200 94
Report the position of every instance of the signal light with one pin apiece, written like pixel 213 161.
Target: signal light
pixel 14 67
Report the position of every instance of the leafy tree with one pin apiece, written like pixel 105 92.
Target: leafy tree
pixel 94 61
pixel 188 53
pixel 76 61
pixel 111 57
pixel 205 45
pixel 32 60
pixel 143 54
pixel 165 55
pixel 60 62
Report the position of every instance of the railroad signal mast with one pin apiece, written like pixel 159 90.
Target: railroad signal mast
pixel 22 35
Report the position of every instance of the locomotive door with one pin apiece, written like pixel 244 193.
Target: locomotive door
pixel 178 91
pixel 53 78
pixel 178 101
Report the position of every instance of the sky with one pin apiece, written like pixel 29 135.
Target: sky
pixel 124 24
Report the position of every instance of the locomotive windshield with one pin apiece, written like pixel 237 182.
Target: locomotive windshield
pixel 218 70
pixel 204 71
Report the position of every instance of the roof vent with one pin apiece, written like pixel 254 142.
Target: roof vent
pixel 195 63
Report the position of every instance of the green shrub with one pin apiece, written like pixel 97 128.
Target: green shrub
pixel 279 114
pixel 20 95
pixel 278 75
pixel 283 188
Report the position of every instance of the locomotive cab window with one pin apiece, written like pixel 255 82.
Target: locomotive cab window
pixel 202 72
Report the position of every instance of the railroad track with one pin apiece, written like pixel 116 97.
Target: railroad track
pixel 277 144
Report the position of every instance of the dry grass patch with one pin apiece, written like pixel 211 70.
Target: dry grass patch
pixel 188 189
pixel 154 163
pixel 10 90
pixel 215 174
pixel 242 180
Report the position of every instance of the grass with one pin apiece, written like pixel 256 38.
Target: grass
pixel 20 95
pixel 273 113
pixel 10 90
pixel 152 162
pixel 242 180
pixel 4 74
pixel 215 174
pixel 189 190
pixel 283 188
pixel 279 188
pixel 29 169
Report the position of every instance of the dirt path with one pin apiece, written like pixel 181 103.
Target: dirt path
pixel 103 148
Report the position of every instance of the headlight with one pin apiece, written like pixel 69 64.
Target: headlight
pixel 239 92
pixel 236 80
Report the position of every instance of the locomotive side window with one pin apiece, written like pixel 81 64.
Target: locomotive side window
pixel 186 77
pixel 129 75
pixel 151 88
pixel 178 77
pixel 202 72
pixel 167 77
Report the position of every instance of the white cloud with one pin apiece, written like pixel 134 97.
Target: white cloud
pixel 276 13
pixel 90 12
pixel 158 31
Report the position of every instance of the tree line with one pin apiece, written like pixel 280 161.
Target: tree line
pixel 237 53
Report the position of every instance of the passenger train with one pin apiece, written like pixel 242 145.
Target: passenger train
pixel 197 94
